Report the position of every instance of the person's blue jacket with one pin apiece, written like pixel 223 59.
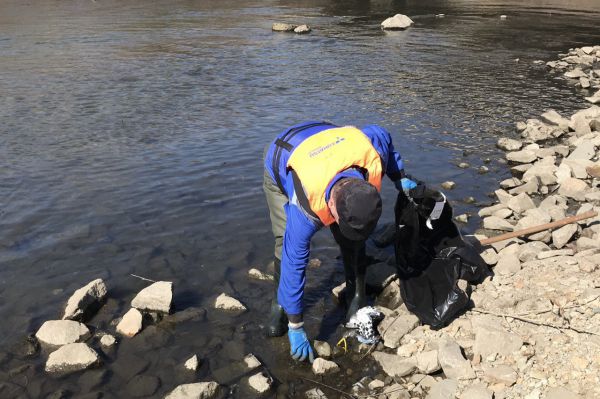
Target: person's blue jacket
pixel 301 226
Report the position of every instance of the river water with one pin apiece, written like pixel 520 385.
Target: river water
pixel 131 136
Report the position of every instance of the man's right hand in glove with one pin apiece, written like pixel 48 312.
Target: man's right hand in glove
pixel 300 348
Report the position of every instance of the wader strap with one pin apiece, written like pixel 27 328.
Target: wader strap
pixel 283 143
pixel 301 196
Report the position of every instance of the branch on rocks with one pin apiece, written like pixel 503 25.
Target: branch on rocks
pixel 346 394
pixel 142 278
pixel 537 323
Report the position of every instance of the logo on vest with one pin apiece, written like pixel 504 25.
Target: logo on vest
pixel 322 148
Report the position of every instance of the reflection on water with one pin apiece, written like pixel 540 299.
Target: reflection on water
pixel 132 133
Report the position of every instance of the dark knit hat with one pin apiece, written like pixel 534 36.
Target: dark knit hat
pixel 358 205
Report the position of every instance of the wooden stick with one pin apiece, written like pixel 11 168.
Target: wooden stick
pixel 142 278
pixel 541 227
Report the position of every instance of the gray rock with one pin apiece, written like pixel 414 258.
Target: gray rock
pixel 533 217
pixel 489 211
pixel 507 144
pixel 477 391
pixel 464 218
pixel 427 362
pixel 62 332
pixel 156 297
pixel 131 323
pixel 490 256
pixel 86 301
pixel 452 361
pixel 199 390
pixel 510 183
pixel 580 125
pixel 585 150
pixel 584 243
pixel 390 296
pixel 593 170
pixel 491 339
pixel 393 328
pixel 226 302
pixel 322 348
pixel 464 165
pixel 520 203
pixel 107 340
pixel 503 213
pixel 302 29
pixel 573 188
pixel 448 185
pixel 398 21
pixel 260 382
pixel 252 362
pixel 508 265
pixel 530 250
pixel 575 74
pixel 258 275
pixel 445 389
pixel 282 27
pixel 394 365
pixel 501 374
pixel 192 363
pixel 552 117
pixel 523 156
pixel 595 99
pixel 71 358
pixel 324 367
pixel 530 187
pixel 551 254
pixel 495 223
pixel 562 236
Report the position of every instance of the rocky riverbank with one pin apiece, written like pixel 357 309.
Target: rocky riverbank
pixel 534 330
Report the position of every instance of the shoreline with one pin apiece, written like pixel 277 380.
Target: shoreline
pixel 560 291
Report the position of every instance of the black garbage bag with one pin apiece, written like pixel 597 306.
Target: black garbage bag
pixel 431 256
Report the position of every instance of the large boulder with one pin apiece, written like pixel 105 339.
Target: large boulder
pixel 198 390
pixel 62 332
pixel 71 358
pixel 398 21
pixel 86 301
pixel 156 297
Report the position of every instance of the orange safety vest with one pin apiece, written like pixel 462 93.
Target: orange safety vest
pixel 320 157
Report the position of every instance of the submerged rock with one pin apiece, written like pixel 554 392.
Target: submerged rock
pixel 199 390
pixel 71 358
pixel 156 297
pixel 86 301
pixel 448 185
pixel 398 21
pixel 258 275
pixel 192 363
pixel 283 27
pixel 302 29
pixel 107 340
pixel 260 383
pixel 226 302
pixel 62 332
pixel 507 144
pixel 315 393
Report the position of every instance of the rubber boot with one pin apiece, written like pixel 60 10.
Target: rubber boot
pixel 355 270
pixel 278 321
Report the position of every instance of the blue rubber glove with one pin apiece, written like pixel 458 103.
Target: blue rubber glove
pixel 405 185
pixel 300 347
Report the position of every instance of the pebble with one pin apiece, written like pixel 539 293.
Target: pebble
pixel 324 367
pixel 227 302
pixel 192 363
pixel 107 340
pixel 260 383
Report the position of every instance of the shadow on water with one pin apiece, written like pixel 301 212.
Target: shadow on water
pixel 131 142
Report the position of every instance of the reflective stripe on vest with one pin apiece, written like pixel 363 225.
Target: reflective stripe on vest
pixel 320 157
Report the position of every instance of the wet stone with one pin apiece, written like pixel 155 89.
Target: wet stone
pixel 71 358
pixel 507 144
pixel 127 366
pixel 86 301
pixel 107 340
pixel 302 29
pixel 188 314
pixel 282 27
pixel 315 393
pixel 227 302
pixel 142 386
pixel 398 21
pixel 323 349
pixel 202 390
pixel 192 363
pixel 260 382
pixel 131 323
pixel 156 297
pixel 62 332
pixel 93 379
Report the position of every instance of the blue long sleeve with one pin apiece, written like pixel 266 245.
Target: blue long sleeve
pixel 382 141
pixel 294 258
